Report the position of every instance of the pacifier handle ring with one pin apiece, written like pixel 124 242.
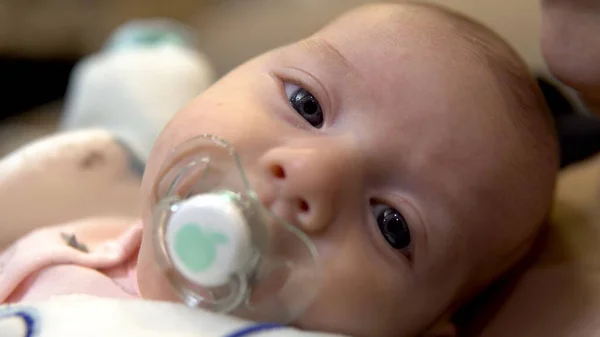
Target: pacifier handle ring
pixel 237 296
pixel 238 286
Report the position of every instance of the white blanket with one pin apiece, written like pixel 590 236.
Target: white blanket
pixel 78 315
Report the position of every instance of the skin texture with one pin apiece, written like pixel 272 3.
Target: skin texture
pixel 571 45
pixel 413 119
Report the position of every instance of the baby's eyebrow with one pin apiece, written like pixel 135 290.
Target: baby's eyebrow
pixel 329 51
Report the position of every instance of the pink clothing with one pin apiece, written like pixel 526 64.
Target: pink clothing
pixel 42 264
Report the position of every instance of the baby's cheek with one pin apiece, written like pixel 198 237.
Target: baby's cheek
pixel 151 281
pixel 361 293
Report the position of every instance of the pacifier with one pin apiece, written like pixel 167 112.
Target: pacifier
pixel 220 248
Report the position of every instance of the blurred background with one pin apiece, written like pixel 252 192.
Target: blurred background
pixel 41 40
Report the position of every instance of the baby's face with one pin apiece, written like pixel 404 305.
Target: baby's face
pixel 387 145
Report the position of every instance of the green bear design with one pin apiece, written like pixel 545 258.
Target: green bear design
pixel 197 248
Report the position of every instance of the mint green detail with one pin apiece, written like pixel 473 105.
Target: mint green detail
pixel 197 248
pixel 144 37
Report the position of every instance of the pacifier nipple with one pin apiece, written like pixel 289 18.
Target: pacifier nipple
pixel 220 248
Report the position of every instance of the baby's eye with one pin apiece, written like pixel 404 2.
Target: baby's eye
pixel 393 227
pixel 305 104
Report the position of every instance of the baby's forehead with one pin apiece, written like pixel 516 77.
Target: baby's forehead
pixel 395 49
pixel 390 26
pixel 392 20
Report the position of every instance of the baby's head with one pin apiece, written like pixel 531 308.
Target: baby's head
pixel 405 112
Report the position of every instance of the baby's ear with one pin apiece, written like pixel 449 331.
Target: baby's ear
pixel 443 328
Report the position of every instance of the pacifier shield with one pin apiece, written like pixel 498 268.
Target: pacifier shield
pixel 220 247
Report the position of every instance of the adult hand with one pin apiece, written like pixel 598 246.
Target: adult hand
pixel 571 45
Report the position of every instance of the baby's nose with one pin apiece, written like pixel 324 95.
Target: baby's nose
pixel 306 185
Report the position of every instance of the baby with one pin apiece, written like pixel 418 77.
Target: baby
pixel 410 112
